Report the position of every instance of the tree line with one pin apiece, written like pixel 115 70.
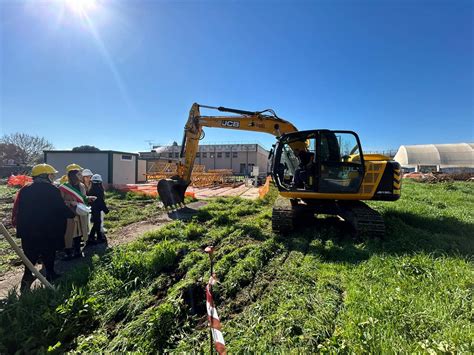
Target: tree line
pixel 25 149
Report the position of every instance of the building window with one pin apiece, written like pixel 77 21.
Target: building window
pixel 234 155
pixel 176 155
pixel 227 154
pixel 243 170
pixel 219 155
pixel 198 155
pixel 170 155
pixel 126 157
pixel 204 155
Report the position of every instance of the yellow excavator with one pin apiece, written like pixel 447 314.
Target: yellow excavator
pixel 316 171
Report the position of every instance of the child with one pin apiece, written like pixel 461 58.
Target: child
pixel 98 205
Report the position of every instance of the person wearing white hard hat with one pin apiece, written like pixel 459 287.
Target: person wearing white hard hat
pixel 98 206
pixel 86 178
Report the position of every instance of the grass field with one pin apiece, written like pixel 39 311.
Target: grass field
pixel 315 290
pixel 8 258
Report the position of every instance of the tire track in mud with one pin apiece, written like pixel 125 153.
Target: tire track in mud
pixel 262 281
pixel 298 249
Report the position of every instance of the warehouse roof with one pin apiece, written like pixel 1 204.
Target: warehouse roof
pixel 444 155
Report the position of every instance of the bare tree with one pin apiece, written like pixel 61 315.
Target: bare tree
pixel 9 152
pixel 30 148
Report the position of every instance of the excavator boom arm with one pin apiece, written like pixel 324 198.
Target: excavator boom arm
pixel 246 121
pixel 172 190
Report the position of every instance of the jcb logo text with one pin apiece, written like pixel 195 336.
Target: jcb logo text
pixel 231 124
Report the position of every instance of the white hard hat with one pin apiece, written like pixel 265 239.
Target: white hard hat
pixel 96 178
pixel 87 172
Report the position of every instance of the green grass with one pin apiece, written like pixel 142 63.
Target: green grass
pixel 317 290
pixel 8 258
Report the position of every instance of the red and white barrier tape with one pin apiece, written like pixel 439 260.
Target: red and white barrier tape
pixel 213 318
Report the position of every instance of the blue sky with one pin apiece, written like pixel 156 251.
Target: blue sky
pixel 123 72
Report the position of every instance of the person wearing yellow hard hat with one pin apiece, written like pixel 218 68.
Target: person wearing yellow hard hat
pixel 63 179
pixel 74 195
pixel 39 215
pixel 73 167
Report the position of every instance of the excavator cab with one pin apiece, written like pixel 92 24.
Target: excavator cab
pixel 321 161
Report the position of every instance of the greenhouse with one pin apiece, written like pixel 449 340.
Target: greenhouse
pixel 437 157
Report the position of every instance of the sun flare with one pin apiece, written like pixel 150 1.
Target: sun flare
pixel 81 7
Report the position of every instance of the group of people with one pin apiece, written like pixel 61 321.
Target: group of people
pixel 52 215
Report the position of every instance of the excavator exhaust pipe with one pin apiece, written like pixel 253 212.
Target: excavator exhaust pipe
pixel 171 191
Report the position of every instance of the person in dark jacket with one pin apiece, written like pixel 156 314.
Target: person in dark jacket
pixel 40 215
pixel 98 206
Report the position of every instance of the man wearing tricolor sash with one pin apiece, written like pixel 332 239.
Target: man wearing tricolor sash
pixel 74 195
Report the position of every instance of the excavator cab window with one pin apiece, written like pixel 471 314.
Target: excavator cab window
pixel 341 166
pixel 319 161
pixel 286 166
pixel 294 165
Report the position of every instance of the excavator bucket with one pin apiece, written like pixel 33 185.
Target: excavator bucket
pixel 171 191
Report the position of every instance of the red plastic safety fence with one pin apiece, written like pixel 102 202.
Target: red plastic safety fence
pixel 213 318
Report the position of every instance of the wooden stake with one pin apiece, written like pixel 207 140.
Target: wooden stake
pixel 23 257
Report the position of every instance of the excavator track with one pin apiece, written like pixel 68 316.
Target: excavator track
pixel 365 221
pixel 283 216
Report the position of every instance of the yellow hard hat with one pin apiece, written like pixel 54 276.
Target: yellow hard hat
pixel 63 179
pixel 72 167
pixel 42 169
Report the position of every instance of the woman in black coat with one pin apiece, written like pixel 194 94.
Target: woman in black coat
pixel 98 206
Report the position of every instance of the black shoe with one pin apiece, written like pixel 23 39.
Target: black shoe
pixel 77 251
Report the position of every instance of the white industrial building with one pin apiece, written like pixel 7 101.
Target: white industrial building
pixel 457 157
pixel 240 158
pixel 115 167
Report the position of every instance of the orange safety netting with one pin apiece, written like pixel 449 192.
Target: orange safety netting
pixel 263 190
pixel 19 180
